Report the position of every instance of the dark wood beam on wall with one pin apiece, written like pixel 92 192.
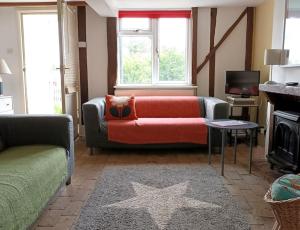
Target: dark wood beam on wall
pixel 84 89
pixel 212 59
pixel 227 33
pixel 249 47
pixel 249 38
pixel 194 44
pixel 111 23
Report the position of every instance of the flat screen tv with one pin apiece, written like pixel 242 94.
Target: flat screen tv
pixel 244 83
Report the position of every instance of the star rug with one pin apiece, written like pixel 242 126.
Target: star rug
pixel 161 197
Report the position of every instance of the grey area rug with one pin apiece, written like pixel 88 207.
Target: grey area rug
pixel 164 197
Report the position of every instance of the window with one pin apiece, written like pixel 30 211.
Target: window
pixel 291 41
pixel 153 51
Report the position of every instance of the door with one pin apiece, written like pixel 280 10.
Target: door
pixel 69 61
pixel 40 46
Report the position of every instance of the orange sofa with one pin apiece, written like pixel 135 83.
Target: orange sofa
pixel 162 122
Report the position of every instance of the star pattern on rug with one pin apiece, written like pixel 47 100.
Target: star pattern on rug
pixel 161 203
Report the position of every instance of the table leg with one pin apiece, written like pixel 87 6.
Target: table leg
pixel 256 131
pixel 209 145
pixel 223 152
pixel 250 151
pixel 230 132
pixel 257 114
pixel 235 145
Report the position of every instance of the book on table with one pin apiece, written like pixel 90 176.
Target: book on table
pixel 228 123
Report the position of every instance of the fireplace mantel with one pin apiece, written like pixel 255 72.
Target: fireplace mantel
pixel 280 89
pixel 286 98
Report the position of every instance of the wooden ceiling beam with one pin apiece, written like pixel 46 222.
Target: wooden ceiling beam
pixel 26 4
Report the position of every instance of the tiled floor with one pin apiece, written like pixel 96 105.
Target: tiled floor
pixel 248 190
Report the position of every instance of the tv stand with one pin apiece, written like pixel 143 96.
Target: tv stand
pixel 245 96
pixel 242 101
pixel 246 104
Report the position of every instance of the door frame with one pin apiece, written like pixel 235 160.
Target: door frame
pixel 62 66
pixel 64 45
pixel 21 12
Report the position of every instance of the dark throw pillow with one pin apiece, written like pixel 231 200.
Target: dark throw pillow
pixel 120 108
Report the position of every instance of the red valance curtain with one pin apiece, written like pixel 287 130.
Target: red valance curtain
pixel 155 14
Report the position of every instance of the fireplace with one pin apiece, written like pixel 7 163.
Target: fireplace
pixel 285 151
pixel 283 128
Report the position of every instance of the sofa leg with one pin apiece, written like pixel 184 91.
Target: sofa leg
pixel 68 182
pixel 91 151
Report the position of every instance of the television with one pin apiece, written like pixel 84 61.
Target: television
pixel 244 83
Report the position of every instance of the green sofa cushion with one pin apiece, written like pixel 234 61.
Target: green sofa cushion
pixel 29 177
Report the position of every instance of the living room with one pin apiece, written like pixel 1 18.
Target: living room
pixel 136 114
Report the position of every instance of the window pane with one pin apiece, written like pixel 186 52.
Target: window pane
pixel 292 38
pixel 135 24
pixel 136 60
pixel 172 49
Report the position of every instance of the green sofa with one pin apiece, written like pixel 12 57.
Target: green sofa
pixel 37 160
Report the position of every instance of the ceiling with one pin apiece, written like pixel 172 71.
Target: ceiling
pixel 153 4
pixel 14 1
pixel 111 7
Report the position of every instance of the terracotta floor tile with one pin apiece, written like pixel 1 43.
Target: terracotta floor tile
pixel 60 203
pixel 73 209
pixel 49 218
pixel 65 222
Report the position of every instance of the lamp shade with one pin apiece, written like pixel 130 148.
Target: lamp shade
pixel 4 67
pixel 276 57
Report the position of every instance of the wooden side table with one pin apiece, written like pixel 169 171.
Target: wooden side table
pixel 247 125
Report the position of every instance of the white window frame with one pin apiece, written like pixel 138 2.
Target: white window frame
pixel 153 34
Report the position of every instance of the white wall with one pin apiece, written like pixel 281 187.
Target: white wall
pixel 280 74
pixel 231 54
pixel 96 54
pixel 10 50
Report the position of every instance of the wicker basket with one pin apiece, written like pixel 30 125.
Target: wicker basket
pixel 287 212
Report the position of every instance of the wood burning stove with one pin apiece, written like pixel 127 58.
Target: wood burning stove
pixel 282 147
pixel 285 152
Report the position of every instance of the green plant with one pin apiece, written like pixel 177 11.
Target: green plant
pixel 57 109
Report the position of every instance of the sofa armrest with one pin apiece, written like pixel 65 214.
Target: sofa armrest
pixel 216 108
pixel 17 130
pixel 93 114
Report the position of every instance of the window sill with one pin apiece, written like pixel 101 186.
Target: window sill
pixel 153 87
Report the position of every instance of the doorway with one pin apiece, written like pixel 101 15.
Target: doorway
pixel 41 61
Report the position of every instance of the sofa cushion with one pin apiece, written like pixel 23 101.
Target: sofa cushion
pixel 158 131
pixel 29 176
pixel 286 187
pixel 168 106
pixel 120 108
